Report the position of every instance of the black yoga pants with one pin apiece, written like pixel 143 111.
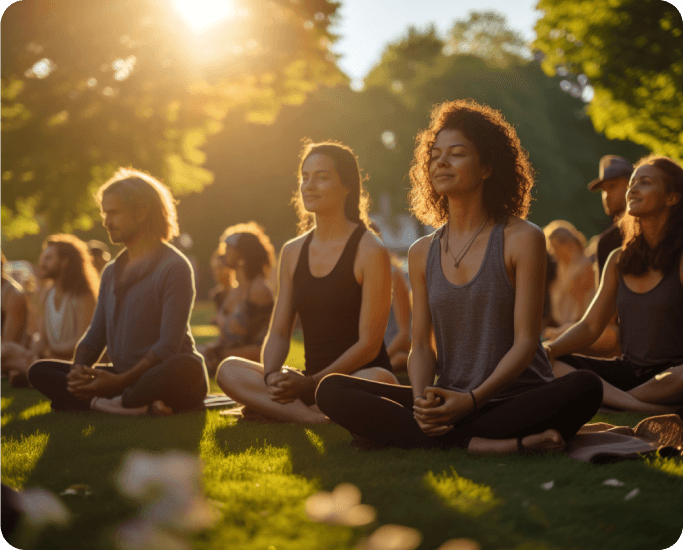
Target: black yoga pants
pixel 181 382
pixel 383 412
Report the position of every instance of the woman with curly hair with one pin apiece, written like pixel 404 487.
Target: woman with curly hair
pixel 478 292
pixel 336 276
pixel 643 283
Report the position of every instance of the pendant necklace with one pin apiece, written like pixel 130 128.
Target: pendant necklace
pixel 458 258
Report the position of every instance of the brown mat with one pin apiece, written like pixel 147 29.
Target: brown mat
pixel 603 443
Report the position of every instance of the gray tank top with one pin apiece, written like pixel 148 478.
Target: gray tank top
pixel 651 323
pixel 474 323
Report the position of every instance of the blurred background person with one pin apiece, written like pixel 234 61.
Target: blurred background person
pixel 643 282
pixel 397 336
pixel 223 276
pixel 614 174
pixel 72 283
pixel 14 308
pixel 100 254
pixel 573 287
pixel 245 308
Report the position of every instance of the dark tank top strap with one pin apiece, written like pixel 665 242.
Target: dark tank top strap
pixel 302 264
pixel 349 254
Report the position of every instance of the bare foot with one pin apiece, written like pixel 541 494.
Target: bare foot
pixel 319 417
pixel 115 406
pixel 159 408
pixel 549 440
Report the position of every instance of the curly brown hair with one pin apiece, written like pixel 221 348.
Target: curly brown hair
pixel 253 245
pixel 636 255
pixel 506 191
pixel 357 201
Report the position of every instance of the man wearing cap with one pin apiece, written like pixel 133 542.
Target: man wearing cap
pixel 614 175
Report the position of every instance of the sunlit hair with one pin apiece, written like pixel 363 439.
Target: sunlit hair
pixel 506 191
pixel 141 190
pixel 636 255
pixel 357 201
pixel 79 276
pixel 563 232
pixel 253 246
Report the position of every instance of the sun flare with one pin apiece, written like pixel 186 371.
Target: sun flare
pixel 201 14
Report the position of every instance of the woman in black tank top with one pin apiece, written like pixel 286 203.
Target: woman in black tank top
pixel 643 283
pixel 336 276
pixel 478 285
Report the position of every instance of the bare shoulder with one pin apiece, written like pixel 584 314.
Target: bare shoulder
pixel 290 252
pixel 370 244
pixel 417 254
pixel 260 293
pixel 522 235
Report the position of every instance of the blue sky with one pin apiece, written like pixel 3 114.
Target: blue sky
pixel 367 25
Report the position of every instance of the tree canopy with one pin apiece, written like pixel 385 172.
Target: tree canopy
pixel 88 86
pixel 631 53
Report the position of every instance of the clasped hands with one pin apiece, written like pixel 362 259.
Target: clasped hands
pixel 286 386
pixel 86 382
pixel 440 409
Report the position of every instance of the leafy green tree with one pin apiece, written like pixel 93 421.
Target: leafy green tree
pixel 486 34
pixel 88 86
pixel 631 52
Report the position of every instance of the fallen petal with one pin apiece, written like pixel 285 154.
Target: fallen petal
pixel 460 544
pixel 43 508
pixel 358 516
pixel 613 483
pixel 392 537
pixel 632 494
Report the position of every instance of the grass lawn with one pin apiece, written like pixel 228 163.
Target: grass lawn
pixel 259 476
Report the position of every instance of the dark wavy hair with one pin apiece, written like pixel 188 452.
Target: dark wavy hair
pixel 506 191
pixel 142 190
pixel 253 246
pixel 345 162
pixel 636 255
pixel 80 275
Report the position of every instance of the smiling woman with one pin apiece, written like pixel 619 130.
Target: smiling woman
pixel 201 14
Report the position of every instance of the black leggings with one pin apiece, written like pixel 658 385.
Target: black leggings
pixel 181 382
pixel 383 412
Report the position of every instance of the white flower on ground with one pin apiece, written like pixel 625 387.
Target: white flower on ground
pixel 548 486
pixel 340 507
pixel 392 537
pixel 613 483
pixel 169 488
pixel 460 544
pixel 43 508
pixel 632 494
pixel 142 535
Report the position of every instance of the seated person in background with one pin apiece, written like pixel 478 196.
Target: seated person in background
pixel 643 282
pixel 337 278
pixel 142 315
pixel 66 309
pixel 397 335
pixel 224 278
pixel 14 309
pixel 244 314
pixel 478 293
pixel 100 254
pixel 573 286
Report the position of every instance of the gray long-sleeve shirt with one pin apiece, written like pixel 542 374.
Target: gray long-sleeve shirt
pixel 147 311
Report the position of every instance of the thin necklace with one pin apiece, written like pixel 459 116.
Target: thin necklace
pixel 458 258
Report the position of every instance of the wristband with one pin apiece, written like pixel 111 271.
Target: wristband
pixel 474 400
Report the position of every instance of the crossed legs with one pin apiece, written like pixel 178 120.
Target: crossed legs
pixel 242 380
